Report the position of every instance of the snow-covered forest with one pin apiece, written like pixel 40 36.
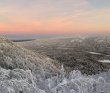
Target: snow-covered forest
pixel 20 81
pixel 23 71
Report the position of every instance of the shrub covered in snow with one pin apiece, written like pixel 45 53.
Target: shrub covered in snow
pixel 20 81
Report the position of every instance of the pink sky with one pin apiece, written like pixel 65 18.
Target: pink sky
pixel 51 17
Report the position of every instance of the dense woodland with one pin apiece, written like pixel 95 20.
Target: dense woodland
pixel 74 52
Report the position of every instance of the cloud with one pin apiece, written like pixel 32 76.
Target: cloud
pixel 44 8
pixel 52 16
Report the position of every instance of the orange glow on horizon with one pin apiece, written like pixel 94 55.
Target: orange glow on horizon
pixel 91 22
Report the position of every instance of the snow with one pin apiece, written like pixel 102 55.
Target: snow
pixel 17 80
pixel 72 40
pixel 23 81
pixel 94 53
pixel 78 40
pixel 41 46
pixel 104 61
pixel 14 56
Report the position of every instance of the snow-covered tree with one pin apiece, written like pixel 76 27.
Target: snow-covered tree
pixel 62 74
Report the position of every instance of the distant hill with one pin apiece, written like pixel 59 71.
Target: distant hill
pixel 21 40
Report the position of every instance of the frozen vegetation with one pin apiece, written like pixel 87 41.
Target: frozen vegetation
pixel 13 56
pixel 23 81
pixel 23 71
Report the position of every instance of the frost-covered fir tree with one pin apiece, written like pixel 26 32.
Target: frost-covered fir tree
pixel 62 74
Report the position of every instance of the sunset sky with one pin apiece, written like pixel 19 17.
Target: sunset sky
pixel 43 17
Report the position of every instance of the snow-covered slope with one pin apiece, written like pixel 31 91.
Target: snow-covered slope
pixel 14 56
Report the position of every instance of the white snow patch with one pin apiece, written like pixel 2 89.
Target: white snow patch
pixel 41 46
pixel 78 40
pixel 95 53
pixel 104 61
pixel 72 40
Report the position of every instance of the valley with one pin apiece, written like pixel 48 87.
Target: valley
pixel 75 52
